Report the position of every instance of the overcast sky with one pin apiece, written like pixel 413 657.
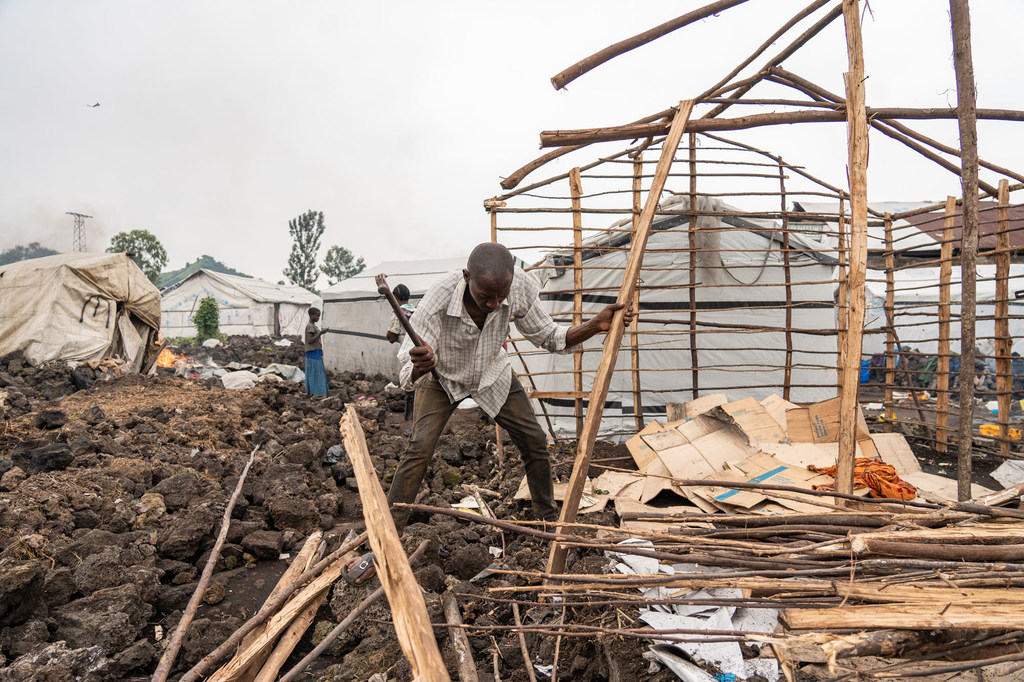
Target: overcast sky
pixel 220 121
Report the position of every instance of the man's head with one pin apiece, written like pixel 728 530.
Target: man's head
pixel 488 275
pixel 314 314
pixel 401 293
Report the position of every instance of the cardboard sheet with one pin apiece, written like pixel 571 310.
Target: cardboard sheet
pixel 641 452
pixel 752 419
pixel 704 403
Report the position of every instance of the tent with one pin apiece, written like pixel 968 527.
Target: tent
pixel 78 306
pixel 248 306
pixel 916 298
pixel 358 316
pixel 740 258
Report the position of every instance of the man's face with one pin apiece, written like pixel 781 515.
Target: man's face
pixel 488 291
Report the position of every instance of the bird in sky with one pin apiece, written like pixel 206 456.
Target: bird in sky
pixel 93 106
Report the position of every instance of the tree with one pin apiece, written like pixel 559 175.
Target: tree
pixel 144 248
pixel 206 319
pixel 24 252
pixel 306 231
pixel 339 264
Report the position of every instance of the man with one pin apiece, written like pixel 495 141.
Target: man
pixel 465 316
pixel 316 375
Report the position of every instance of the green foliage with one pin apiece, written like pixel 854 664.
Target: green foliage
pixel 306 231
pixel 339 264
pixel 204 262
pixel 207 319
pixel 24 252
pixel 144 248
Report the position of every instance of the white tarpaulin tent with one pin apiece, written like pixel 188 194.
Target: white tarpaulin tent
pixel 358 316
pixel 733 253
pixel 248 306
pixel 916 297
pixel 79 307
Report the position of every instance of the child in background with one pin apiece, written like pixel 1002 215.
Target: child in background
pixel 316 375
pixel 396 332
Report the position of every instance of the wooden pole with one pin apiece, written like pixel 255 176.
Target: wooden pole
pixel 1004 342
pixel 842 297
pixel 967 115
pixel 307 556
pixel 857 134
pixel 409 611
pixel 460 641
pixel 581 67
pixel 890 329
pixel 558 138
pixel 942 367
pixel 163 669
pixel 576 190
pixel 634 337
pixel 613 339
pixel 787 378
pixel 691 268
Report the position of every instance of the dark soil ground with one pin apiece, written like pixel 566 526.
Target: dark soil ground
pixel 113 489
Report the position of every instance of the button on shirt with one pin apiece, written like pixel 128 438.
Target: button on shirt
pixel 471 361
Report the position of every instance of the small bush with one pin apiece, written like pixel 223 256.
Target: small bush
pixel 207 319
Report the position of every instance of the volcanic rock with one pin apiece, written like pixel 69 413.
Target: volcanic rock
pixel 21 584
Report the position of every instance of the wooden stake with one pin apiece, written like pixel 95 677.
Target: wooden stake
pixel 174 645
pixel 967 115
pixel 290 639
pixel 857 127
pixel 634 339
pixel 349 619
pixel 460 642
pixel 1004 343
pixel 942 369
pixel 412 624
pixel 576 189
pixel 602 379
pixel 522 645
pixel 890 329
pixel 307 556
pixel 691 262
pixel 581 67
pixel 787 378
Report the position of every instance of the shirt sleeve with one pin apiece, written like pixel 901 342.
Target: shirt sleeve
pixel 534 323
pixel 394 327
pixel 427 325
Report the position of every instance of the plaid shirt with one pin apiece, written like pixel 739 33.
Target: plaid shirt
pixel 471 361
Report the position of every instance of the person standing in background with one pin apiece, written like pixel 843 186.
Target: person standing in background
pixel 396 333
pixel 316 375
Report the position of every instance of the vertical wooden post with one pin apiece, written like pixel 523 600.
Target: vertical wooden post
pixel 499 445
pixel 842 298
pixel 967 116
pixel 576 189
pixel 890 331
pixel 692 268
pixel 634 341
pixel 787 378
pixel 613 339
pixel 1004 343
pixel 942 369
pixel 857 137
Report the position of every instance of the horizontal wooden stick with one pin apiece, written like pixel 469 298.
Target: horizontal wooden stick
pixel 558 138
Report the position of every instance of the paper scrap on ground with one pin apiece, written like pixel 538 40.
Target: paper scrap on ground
pixel 589 501
pixel 725 656
pixel 1009 473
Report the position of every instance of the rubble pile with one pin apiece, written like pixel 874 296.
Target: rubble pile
pixel 112 498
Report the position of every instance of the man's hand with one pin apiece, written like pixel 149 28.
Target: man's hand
pixel 423 360
pixel 603 320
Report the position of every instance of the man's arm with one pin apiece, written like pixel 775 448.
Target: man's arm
pixel 598 324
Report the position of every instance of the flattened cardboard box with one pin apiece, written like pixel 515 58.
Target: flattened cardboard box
pixel 819 423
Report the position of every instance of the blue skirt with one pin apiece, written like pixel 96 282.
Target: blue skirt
pixel 316 375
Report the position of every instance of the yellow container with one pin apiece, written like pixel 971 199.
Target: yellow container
pixel 993 430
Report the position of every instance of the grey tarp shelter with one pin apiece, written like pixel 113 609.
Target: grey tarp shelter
pixel 78 307
pixel 248 306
